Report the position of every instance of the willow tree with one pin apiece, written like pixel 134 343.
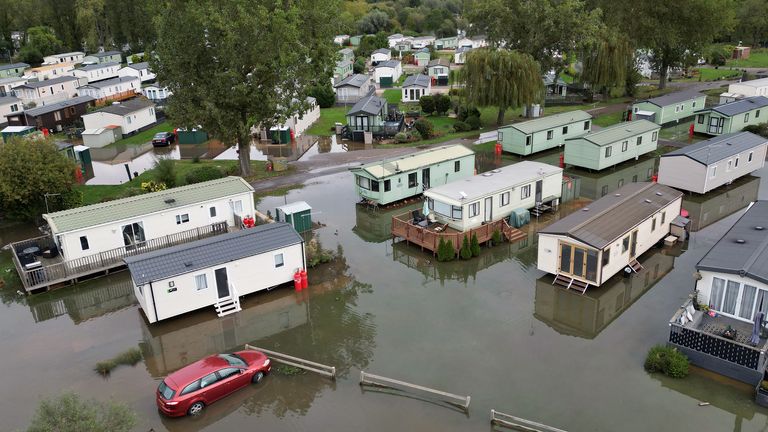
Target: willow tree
pixel 236 64
pixel 501 78
pixel 607 61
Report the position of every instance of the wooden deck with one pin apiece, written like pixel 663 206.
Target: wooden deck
pixel 55 271
pixel 429 237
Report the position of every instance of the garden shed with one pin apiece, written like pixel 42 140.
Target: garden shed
pixel 298 214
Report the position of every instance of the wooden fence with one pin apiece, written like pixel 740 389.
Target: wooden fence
pixel 329 371
pixel 69 270
pixel 509 421
pixel 429 239
pixel 380 381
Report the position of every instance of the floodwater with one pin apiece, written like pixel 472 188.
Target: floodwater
pixel 109 163
pixel 493 328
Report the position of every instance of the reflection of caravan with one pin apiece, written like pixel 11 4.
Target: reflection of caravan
pixel 598 185
pixel 585 316
pixel 704 210
pixel 171 345
pixel 89 301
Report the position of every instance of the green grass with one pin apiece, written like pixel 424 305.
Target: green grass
pixel 392 96
pixel 708 74
pixel 129 358
pixel 93 194
pixel 280 191
pixel 328 119
pixel 758 58
pixel 608 119
pixel 146 136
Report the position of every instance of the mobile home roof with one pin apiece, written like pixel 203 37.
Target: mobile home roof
pixel 410 162
pixel 719 147
pixel 478 186
pixel 618 132
pixel 610 217
pixel 209 252
pixel 132 207
pixel 550 122
pixel 674 98
pixel 740 106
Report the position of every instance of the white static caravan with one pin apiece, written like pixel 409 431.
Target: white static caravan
pixel 590 245
pixel 494 195
pixel 215 271
pixel 130 222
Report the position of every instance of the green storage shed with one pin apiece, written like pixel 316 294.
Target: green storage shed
pixel 298 214
pixel 192 136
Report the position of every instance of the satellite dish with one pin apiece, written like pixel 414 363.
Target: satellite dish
pixel 463 195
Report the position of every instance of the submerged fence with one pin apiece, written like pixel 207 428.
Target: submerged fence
pixel 380 381
pixel 512 422
pixel 329 371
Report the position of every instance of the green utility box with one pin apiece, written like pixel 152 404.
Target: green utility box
pixel 192 136
pixel 298 214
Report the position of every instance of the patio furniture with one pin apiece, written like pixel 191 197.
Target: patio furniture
pixel 32 250
pixel 51 252
pixel 417 217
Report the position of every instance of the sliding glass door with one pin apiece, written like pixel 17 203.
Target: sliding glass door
pixel 578 262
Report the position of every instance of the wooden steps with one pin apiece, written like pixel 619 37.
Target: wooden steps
pixel 229 304
pixel 512 234
pixel 635 266
pixel 570 283
pixel 539 210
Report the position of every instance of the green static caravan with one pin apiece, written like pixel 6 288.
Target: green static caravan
pixel 447 43
pixel 298 214
pixel 12 70
pixel 346 54
pixel 732 116
pixel 669 108
pixel 612 145
pixel 544 133
pixel 395 179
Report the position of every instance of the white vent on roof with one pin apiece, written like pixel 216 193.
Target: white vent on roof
pixel 740 241
pixel 617 194
pixel 647 200
pixel 463 194
pixel 487 174
pixel 658 193
pixel 759 228
pixel 496 170
pixel 585 209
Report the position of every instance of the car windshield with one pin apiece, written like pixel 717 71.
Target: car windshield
pixel 160 135
pixel 165 391
pixel 234 360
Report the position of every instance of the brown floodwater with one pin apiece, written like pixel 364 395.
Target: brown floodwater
pixel 493 328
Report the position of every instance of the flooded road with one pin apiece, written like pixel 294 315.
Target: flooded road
pixel 493 328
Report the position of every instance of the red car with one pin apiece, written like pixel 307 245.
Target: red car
pixel 190 389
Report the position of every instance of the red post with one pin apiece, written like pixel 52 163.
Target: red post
pixel 297 281
pixel 562 161
pixel 690 131
pixel 304 279
pixel 498 148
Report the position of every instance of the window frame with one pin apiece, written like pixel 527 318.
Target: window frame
pixel 84 243
pixel 504 198
pixel 281 261
pixel 525 192
pixel 182 218
pixel 413 180
pixel 608 151
pixel 216 379
pixel 457 165
pixel 550 134
pixel 624 146
pixel 473 209
pixel 204 280
pixel 565 130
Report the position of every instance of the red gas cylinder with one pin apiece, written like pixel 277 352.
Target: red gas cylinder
pixel 304 279
pixel 297 281
pixel 498 148
pixel 690 131
pixel 655 178
pixel 562 161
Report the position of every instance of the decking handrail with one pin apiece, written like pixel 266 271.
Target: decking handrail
pixel 63 271
pixel 403 227
pixel 674 323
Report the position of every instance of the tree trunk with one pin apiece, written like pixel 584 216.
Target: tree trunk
pixel 244 150
pixel 500 117
pixel 663 74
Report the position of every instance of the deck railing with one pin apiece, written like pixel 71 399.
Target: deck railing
pixel 64 271
pixel 729 350
pixel 403 227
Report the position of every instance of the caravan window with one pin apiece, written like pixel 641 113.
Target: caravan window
pixel 456 212
pixel 504 199
pixel 474 209
pixel 586 125
pixel 279 260
pixel 374 185
pixel 84 243
pixel 212 211
pixel 549 134
pixel 201 282
pixel 364 182
pixel 525 192
pixel 412 180
pixel 457 165
pixel 182 218
pixel 387 185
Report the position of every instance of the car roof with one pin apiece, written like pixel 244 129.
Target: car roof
pixel 197 370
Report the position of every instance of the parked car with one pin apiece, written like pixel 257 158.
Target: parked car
pixel 163 139
pixel 190 389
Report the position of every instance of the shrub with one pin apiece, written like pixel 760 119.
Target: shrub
pixel 475 245
pixel 466 251
pixel 415 135
pixel 461 126
pixel 129 358
pixel 443 253
pixel 670 361
pixel 456 92
pixel 758 129
pixel 203 173
pixel 425 128
pixel 474 122
pixel 401 137
pixel 165 172
pixel 442 103
pixel 464 113
pixel 324 95
pixel 427 104
pixel 496 237
pixel 152 186
pixel 69 413
pixel 358 66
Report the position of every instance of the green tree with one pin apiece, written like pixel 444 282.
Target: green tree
pixel 752 22
pixel 30 55
pixel 70 413
pixel 30 169
pixel 442 103
pixel 427 103
pixel 324 94
pixel 44 40
pixel 425 127
pixel 501 78
pixel 375 21
pixel 165 172
pixel 607 61
pixel 466 251
pixel 245 62
pixel 474 245
pixel 370 43
pixel 358 66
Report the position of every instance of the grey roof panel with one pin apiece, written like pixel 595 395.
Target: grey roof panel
pixel 610 217
pixel 356 80
pixel 105 54
pixel 111 82
pixel 674 98
pixel 370 104
pixel 209 252
pixel 45 83
pixel 720 147
pixel 13 66
pixel 382 51
pixel 139 66
pixel 740 106
pixel 127 107
pixel 95 66
pixel 417 80
pixel 8 100
pixel 748 258
pixel 437 62
pixel 45 109
pixel 389 63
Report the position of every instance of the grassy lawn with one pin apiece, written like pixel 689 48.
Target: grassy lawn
pixel 93 194
pixel 758 58
pixel 328 118
pixel 608 119
pixel 708 74
pixel 146 136
pixel 392 95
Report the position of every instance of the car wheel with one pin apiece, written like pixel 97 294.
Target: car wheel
pixel 257 377
pixel 196 409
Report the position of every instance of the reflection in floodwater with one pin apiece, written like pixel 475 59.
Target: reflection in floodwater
pixel 320 324
pixel 586 315
pixel 596 185
pixel 707 209
pixel 84 301
pixel 375 226
pixel 732 396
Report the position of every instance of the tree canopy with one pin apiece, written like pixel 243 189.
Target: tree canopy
pixel 241 63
